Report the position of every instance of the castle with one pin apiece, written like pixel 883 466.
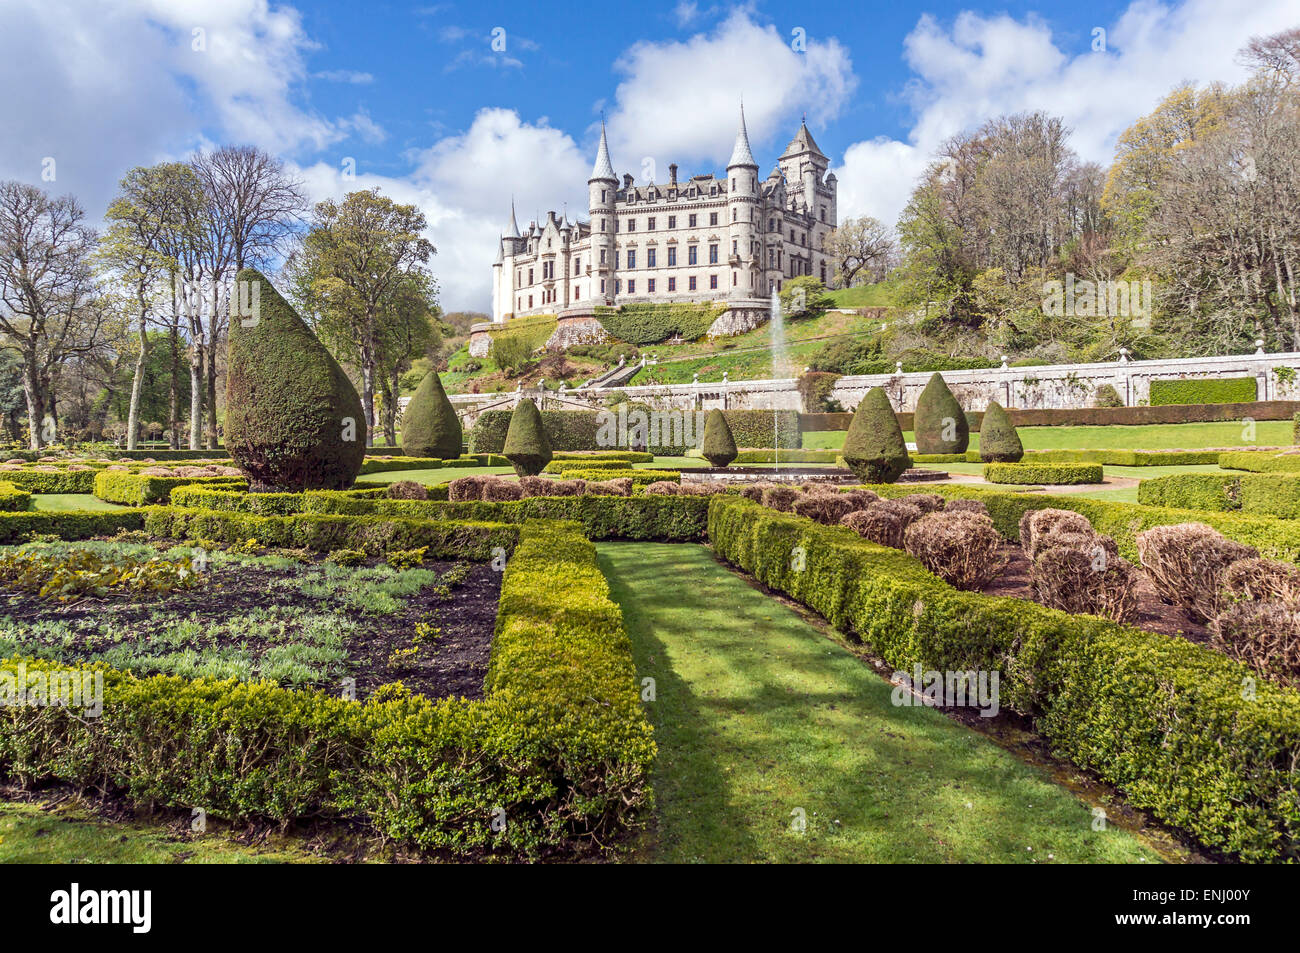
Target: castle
pixel 732 240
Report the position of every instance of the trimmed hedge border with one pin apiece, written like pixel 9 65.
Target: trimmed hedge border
pixel 1029 474
pixel 1160 718
pixel 134 489
pixel 12 499
pixel 625 456
pixel 787 456
pixel 38 481
pixel 1098 416
pixel 66 524
pixel 1256 461
pixel 559 466
pixel 578 430
pixel 559 742
pixel 1263 494
pixel 638 477
pixel 1203 390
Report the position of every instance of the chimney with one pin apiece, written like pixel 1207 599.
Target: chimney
pixel 627 181
pixel 672 173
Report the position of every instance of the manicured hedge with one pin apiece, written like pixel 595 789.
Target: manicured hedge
pixel 1100 416
pixel 651 323
pixel 325 532
pixel 1258 461
pixel 970 456
pixel 134 489
pixel 577 430
pixel 1274 538
pixel 1263 494
pixel 626 456
pixel 1203 390
pixel 560 743
pixel 65 481
pixel 13 499
pixel 198 496
pixel 1162 719
pixel 560 466
pixel 1029 474
pixel 638 477
pixel 565 429
pixel 1125 458
pixel 66 524
pixel 787 456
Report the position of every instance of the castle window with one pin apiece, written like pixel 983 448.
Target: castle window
pixel 649 257
pixel 602 224
pixel 577 264
pixel 823 272
pixel 733 214
pixel 691 221
pixel 713 254
pixel 733 279
pixel 650 286
pixel 530 301
pixel 734 243
pixel 672 257
pixel 602 285
pixel 771 258
pixel 631 225
pixel 771 224
pixel 602 196
pixel 631 257
pixel 631 286
pixel 602 256
pixel 618 286
pixel 823 211
pixel 713 218
pixel 577 292
pixel 733 185
pixel 690 283
pixel 650 224
pixel 672 221
pixel 530 276
pixel 616 259
pixel 692 255
pixel 672 284
pixel 713 282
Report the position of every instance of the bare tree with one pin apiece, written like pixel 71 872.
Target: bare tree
pixel 860 247
pixel 258 203
pixel 48 306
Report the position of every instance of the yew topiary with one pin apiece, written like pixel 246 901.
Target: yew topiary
pixel 999 441
pixel 718 445
pixel 293 419
pixel 526 446
pixel 940 423
pixel 430 427
pixel 874 448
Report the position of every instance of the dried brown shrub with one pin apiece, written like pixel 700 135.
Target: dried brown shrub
pixel 498 490
pixel 780 497
pixel 904 511
pixel 966 506
pixel 925 502
pixel 567 487
pixel 1187 563
pixel 703 488
pixel 661 488
pixel 825 508
pixel 881 526
pixel 1077 580
pixel 861 498
pixel 1263 635
pixel 464 489
pixel 1263 580
pixel 963 549
pixel 1035 525
pixel 621 486
pixel 407 490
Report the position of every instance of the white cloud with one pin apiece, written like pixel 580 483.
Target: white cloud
pixel 981 67
pixel 679 100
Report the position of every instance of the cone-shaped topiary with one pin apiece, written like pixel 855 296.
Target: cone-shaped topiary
pixel 874 448
pixel 718 445
pixel 430 427
pixel 293 419
pixel 526 445
pixel 939 422
pixel 999 442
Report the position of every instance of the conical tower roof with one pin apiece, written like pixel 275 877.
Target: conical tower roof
pixel 603 169
pixel 740 153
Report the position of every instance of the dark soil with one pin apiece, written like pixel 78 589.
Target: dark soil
pixel 1153 613
pixel 449 662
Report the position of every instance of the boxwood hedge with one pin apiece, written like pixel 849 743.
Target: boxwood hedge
pixel 1164 720
pixel 1264 494
pixel 13 499
pixel 1050 473
pixel 1203 390
pixel 135 489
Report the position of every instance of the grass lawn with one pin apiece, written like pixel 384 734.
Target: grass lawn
pixel 430 477
pixel 31 834
pixel 72 501
pixel 759 715
pixel 1268 433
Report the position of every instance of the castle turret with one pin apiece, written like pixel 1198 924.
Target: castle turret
pixel 601 189
pixel 804 166
pixel 742 210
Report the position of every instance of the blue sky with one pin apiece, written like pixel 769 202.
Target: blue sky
pixel 415 100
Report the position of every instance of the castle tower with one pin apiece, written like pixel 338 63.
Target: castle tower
pixel 511 245
pixel 742 211
pixel 804 166
pixel 601 189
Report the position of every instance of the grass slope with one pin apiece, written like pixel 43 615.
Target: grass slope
pixel 1268 433
pixel 758 714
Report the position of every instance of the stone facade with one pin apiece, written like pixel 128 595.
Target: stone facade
pixel 730 239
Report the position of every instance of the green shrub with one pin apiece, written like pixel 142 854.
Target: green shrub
pixel 202 497
pixel 293 419
pixel 1107 396
pixel 1295 429
pixel 378 465
pixel 133 489
pixel 346 557
pixel 430 427
pixel 786 456
pixel 718 445
pixel 1029 474
pixel 638 477
pixel 651 323
pixel 527 447
pixel 1258 461
pixel 874 448
pixel 13 499
pixel 1217 492
pixel 38 481
pixel 19 527
pixel 939 422
pixel 1203 390
pixel 560 466
pixel 407 558
pixel 1164 720
pixel 1271 494
pixel 999 441
pixel 614 456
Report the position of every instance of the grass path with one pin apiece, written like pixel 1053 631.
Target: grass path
pixel 758 715
pixel 86 502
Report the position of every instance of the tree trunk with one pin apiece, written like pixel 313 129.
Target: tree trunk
pixel 35 400
pixel 174 407
pixel 196 394
pixel 212 396
pixel 137 385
